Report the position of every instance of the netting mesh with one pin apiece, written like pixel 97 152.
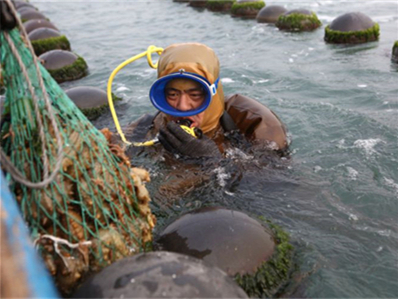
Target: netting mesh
pixel 95 211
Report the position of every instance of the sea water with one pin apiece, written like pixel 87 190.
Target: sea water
pixel 337 195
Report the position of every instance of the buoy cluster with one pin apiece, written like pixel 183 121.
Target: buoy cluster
pixel 349 28
pixel 50 45
pixel 54 52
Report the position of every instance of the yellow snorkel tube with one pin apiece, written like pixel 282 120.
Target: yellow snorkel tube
pixel 148 53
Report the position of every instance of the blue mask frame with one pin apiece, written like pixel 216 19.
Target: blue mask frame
pixel 158 97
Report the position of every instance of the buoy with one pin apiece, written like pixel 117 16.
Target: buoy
pixel 234 242
pixel 198 3
pixel 38 23
pixel 27 15
pixel 92 101
pixel 246 8
pixel 160 275
pixel 64 65
pixel 352 28
pixel 298 20
pixel 394 56
pixel 270 14
pixel 47 39
pixel 220 5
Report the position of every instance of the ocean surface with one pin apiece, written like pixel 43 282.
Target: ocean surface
pixel 337 195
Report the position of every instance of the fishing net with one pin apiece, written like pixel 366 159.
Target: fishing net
pixel 85 205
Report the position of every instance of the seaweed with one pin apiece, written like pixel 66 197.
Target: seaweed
pixel 352 37
pixel 298 22
pixel 246 9
pixel 272 274
pixel 220 5
pixel 76 70
pixel 44 45
pixel 95 112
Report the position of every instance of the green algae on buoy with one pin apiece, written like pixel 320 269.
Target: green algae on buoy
pixel 352 28
pixel 47 39
pixel 220 5
pixel 270 14
pixel 92 101
pixel 298 20
pixel 64 65
pixel 258 257
pixel 160 275
pixel 246 8
pixel 38 23
pixel 32 14
pixel 198 3
pixel 394 54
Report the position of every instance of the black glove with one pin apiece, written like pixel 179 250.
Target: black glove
pixel 7 17
pixel 176 140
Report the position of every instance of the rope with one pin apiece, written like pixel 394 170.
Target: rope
pixel 8 165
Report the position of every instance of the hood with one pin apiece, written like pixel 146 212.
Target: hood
pixel 199 59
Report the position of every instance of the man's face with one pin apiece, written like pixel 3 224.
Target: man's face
pixel 184 95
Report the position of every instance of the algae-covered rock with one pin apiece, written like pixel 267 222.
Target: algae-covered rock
pixel 258 256
pixel 64 65
pixel 197 3
pixel 220 5
pixel 352 28
pixel 270 14
pixel 246 8
pixel 31 14
pixel 47 39
pixel 394 56
pixel 38 23
pixel 298 20
pixel 92 101
pixel 181 1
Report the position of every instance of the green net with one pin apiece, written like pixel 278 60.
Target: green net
pixel 95 210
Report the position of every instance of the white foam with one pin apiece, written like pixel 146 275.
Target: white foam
pixel 362 85
pixel 227 80
pixel 392 184
pixel 352 173
pixel 122 88
pixel 222 176
pixel 367 144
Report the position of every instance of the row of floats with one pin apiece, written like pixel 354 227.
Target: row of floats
pixel 349 28
pixel 54 52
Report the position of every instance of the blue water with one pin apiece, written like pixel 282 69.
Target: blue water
pixel 338 194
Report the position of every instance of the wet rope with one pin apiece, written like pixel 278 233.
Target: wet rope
pixel 7 164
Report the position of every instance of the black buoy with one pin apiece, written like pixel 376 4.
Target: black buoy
pixel 31 14
pixel 352 28
pixel 160 275
pixel 270 14
pixel 298 20
pixel 247 9
pixel 236 243
pixel 47 39
pixel 38 23
pixel 394 55
pixel 92 101
pixel 64 65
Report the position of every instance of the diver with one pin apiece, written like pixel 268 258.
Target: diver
pixel 188 94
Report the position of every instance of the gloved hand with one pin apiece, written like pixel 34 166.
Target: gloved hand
pixel 7 18
pixel 176 140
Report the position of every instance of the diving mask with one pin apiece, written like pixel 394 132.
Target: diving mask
pixel 158 96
